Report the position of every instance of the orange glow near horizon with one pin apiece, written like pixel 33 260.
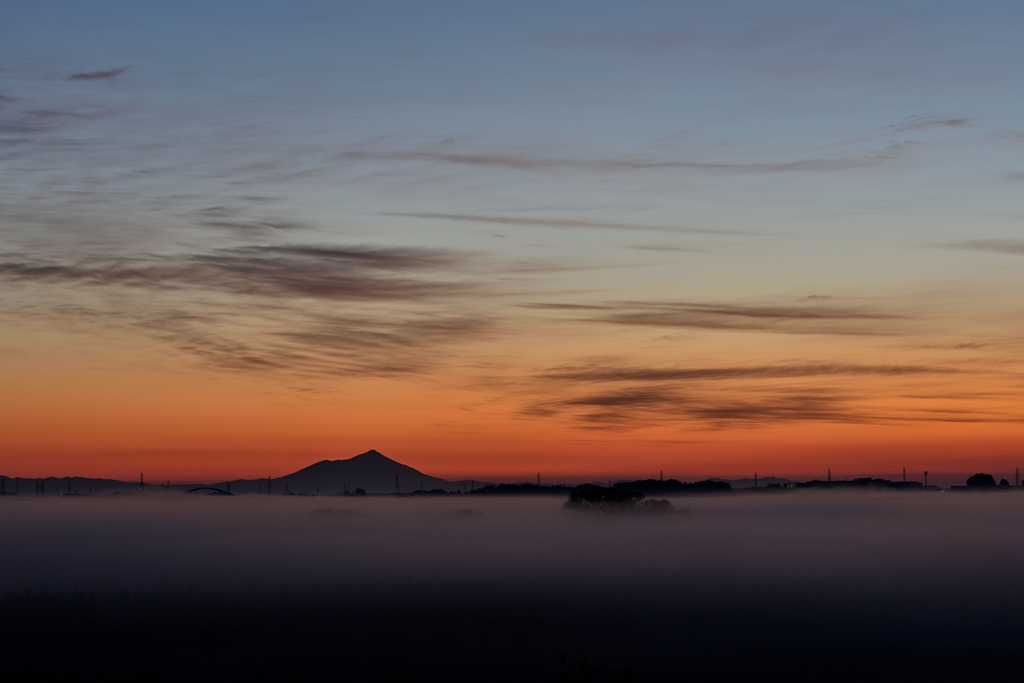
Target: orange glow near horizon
pixel 67 418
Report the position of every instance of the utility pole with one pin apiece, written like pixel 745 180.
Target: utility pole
pixel 538 479
pixel 755 480
pixel 926 479
pixel 830 475
pixel 904 475
pixel 661 475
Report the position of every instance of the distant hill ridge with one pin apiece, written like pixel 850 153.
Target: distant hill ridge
pixel 372 471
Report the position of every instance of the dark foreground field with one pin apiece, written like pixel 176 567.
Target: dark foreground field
pixel 888 587
pixel 504 631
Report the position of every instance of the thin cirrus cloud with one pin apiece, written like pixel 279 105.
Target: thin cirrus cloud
pixel 360 273
pixel 527 221
pixel 639 407
pixel 604 373
pixel 107 75
pixel 19 125
pixel 297 309
pixel 607 395
pixel 913 124
pixel 809 318
pixel 318 345
pixel 839 162
pixel 253 226
pixel 649 405
pixel 991 246
pixel 236 219
pixel 873 148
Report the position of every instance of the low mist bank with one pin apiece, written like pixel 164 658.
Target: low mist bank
pixel 840 586
pixel 938 541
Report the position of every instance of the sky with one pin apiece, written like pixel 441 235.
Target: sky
pixel 492 240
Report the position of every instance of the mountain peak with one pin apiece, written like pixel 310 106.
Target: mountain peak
pixel 372 454
pixel 372 471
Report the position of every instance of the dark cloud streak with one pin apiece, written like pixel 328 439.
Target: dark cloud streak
pixel 808 318
pixel 302 310
pixel 601 373
pixel 269 271
pixel 913 124
pixel 993 246
pixel 97 75
pixel 643 406
pixel 536 163
pixel 559 223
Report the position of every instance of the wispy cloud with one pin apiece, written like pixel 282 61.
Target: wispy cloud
pixel 298 309
pixel 923 122
pixel 313 345
pixel 252 226
pixel 527 221
pixel 610 373
pixel 809 317
pixel 869 149
pixel 523 162
pixel 750 405
pixel 269 271
pixel 993 246
pixel 608 394
pixel 97 75
pixel 634 408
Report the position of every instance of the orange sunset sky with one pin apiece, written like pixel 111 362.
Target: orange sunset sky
pixel 491 242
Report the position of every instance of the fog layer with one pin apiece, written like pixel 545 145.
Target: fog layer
pixel 912 541
pixel 904 584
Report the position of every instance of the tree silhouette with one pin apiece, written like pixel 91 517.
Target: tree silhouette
pixel 981 481
pixel 614 500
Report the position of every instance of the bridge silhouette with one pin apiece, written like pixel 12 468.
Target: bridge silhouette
pixel 210 490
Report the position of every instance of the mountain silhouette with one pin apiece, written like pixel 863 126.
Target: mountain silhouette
pixel 371 471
